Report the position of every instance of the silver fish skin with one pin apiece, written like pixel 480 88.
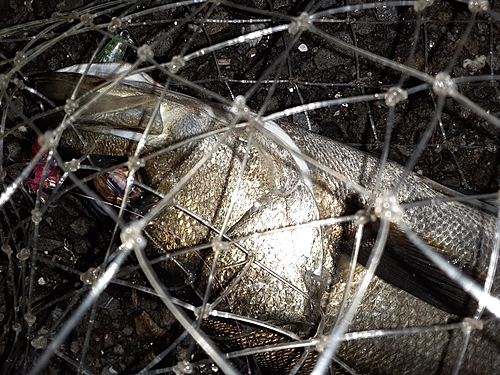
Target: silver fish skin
pixel 275 267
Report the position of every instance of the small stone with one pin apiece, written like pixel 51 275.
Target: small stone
pixel 127 331
pixel 326 59
pixel 475 65
pixel 81 226
pixel 74 347
pixel 118 349
pixel 14 150
pixel 145 326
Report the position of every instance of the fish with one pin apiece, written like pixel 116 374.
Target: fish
pixel 275 210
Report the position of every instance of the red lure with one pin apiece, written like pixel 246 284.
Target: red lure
pixel 52 175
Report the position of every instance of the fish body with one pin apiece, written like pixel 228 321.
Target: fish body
pixel 281 258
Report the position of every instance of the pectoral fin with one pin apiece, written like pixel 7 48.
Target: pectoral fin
pixel 406 267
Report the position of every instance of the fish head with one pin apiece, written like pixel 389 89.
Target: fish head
pixel 110 109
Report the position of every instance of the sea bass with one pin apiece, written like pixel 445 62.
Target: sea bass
pixel 278 209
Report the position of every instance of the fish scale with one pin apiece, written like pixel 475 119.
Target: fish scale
pixel 298 269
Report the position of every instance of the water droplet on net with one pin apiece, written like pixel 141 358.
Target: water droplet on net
pixel 30 319
pixel 86 19
pixel 301 23
pixel 49 140
pixel 177 63
pixel 23 254
pixel 219 245
pixel 471 324
pixel 420 5
pixel 90 276
pixel 491 147
pixel 145 53
pixel 387 207
pixel 134 163
pixel 479 6
pixel 114 24
pixel 19 57
pixel 36 216
pixel 71 106
pixel 7 250
pixel 190 279
pixel 73 165
pixel 205 309
pixel 395 95
pixel 240 106
pixel 132 237
pixel 19 83
pixel 443 84
pixel 39 343
pixel 183 367
pixel 4 82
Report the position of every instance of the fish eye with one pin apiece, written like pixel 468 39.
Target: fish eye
pixel 111 186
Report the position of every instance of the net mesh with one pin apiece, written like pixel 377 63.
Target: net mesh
pixel 201 220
